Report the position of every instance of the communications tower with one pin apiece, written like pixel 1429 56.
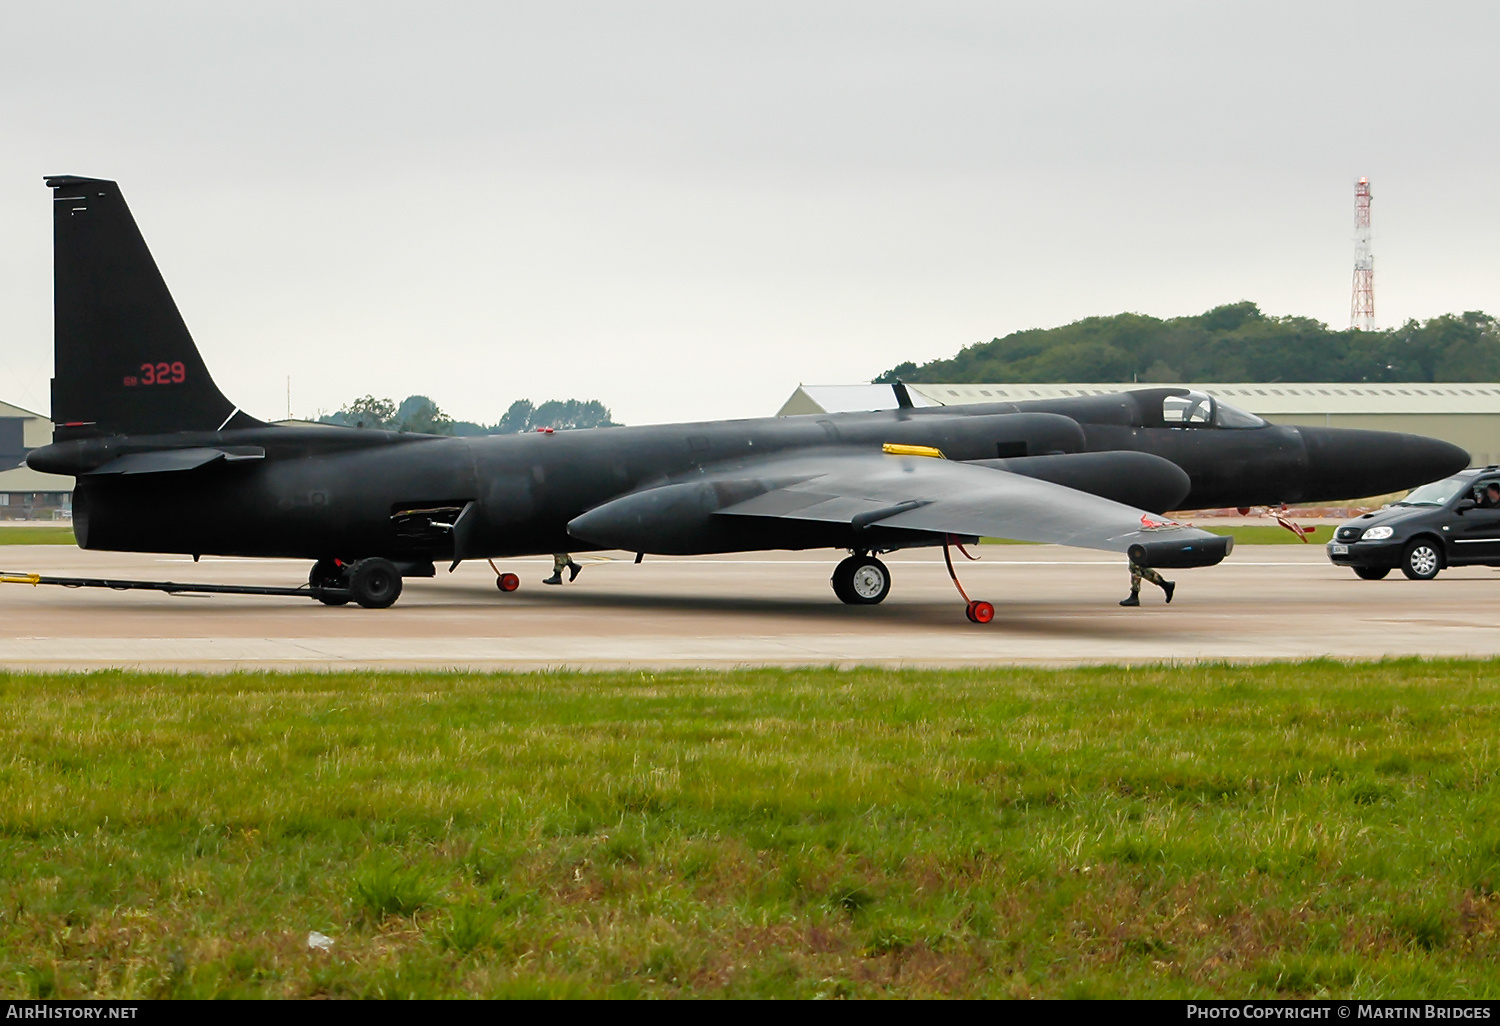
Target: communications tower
pixel 1362 303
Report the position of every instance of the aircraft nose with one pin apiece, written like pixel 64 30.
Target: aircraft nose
pixel 1348 463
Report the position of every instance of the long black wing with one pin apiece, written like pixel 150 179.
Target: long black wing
pixel 945 497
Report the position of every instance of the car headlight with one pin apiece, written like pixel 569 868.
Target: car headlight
pixel 1376 534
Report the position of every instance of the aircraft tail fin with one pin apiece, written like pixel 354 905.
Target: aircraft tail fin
pixel 124 362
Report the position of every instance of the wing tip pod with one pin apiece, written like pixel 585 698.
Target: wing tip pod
pixel 1193 548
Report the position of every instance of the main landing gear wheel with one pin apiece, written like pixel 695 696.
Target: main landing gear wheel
pixel 1421 561
pixel 328 573
pixel 375 583
pixel 861 581
pixel 1371 573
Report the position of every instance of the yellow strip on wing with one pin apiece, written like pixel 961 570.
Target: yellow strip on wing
pixel 897 449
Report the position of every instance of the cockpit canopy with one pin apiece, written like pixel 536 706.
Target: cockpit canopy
pixel 1191 408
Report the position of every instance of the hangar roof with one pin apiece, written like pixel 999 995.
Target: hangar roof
pixel 1264 398
pixel 852 398
pixel 36 431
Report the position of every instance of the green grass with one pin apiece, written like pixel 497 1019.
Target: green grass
pixel 49 535
pixel 1275 830
pixel 1274 534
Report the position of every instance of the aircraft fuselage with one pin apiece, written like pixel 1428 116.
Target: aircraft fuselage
pixel 352 493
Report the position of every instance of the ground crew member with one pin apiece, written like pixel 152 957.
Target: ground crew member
pixel 562 561
pixel 1136 573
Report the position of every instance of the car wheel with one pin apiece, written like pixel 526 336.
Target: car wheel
pixel 1422 560
pixel 1371 573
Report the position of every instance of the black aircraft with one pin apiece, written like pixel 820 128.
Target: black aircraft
pixel 165 463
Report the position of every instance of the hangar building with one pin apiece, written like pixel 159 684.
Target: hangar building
pixel 24 493
pixel 1464 413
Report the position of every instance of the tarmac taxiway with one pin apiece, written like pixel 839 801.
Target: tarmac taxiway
pixel 1054 606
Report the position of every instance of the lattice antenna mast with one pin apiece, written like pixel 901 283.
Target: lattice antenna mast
pixel 1362 303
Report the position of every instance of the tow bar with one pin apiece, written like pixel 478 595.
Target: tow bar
pixel 170 587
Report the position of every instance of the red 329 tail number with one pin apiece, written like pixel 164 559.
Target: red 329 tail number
pixel 158 374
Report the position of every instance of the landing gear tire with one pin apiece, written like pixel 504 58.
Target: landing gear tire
pixel 861 581
pixel 507 582
pixel 375 583
pixel 1422 560
pixel 326 573
pixel 980 612
pixel 1371 573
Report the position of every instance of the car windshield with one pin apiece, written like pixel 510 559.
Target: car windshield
pixel 1435 494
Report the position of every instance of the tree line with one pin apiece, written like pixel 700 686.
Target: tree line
pixel 419 414
pixel 1236 342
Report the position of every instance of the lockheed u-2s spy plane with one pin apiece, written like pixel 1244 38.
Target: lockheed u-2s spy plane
pixel 144 429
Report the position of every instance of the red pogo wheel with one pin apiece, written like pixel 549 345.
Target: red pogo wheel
pixel 507 582
pixel 981 612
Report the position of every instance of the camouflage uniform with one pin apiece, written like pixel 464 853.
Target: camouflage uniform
pixel 1137 573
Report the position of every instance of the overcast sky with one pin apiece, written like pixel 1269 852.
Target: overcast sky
pixel 685 209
